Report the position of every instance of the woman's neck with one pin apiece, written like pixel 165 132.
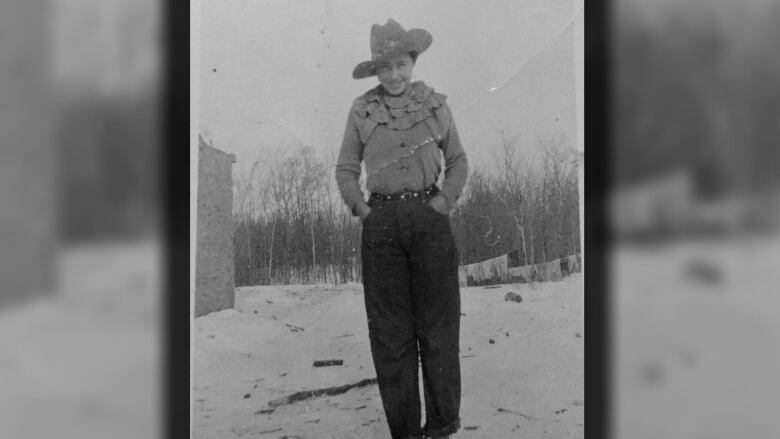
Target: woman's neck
pixel 397 100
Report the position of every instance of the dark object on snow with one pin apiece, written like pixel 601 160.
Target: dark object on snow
pixel 688 356
pixel 558 412
pixel 247 396
pixel 264 412
pixel 293 328
pixel 503 410
pixel 704 271
pixel 491 341
pixel 324 363
pixel 652 373
pixel 487 287
pixel 565 267
pixel 471 427
pixel 512 297
pixel 578 335
pixel 309 394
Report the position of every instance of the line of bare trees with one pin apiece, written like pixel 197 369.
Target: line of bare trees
pixel 290 224
pixel 526 205
pixel 709 97
pixel 292 227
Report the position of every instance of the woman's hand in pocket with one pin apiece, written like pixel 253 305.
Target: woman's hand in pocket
pixel 363 210
pixel 439 204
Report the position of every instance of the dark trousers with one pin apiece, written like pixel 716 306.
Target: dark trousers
pixel 410 279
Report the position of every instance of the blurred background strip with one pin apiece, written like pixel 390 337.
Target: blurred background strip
pixel 80 247
pixel 695 209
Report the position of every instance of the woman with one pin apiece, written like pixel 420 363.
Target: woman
pixel 400 130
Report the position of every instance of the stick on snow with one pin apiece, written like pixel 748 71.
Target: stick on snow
pixel 323 363
pixel 328 391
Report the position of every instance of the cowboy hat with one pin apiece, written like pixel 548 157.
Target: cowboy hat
pixel 388 41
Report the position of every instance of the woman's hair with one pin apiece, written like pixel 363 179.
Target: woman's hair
pixel 413 54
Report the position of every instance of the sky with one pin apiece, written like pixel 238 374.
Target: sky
pixel 110 47
pixel 275 74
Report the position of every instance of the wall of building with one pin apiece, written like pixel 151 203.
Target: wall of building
pixel 28 202
pixel 214 266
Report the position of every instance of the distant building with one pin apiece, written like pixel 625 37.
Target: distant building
pixel 671 205
pixel 214 259
pixel 658 206
pixel 28 190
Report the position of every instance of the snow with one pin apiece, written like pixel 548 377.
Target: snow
pixel 265 348
pixel 84 362
pixel 696 356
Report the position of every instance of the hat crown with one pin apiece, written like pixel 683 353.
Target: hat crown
pixel 385 38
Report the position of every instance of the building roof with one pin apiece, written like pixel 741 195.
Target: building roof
pixel 202 143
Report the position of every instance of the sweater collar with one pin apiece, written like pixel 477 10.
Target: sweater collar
pixel 417 93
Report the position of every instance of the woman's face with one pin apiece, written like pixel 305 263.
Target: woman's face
pixel 395 74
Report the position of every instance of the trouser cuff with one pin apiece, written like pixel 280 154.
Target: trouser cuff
pixel 442 431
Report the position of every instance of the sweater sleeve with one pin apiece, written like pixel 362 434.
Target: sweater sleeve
pixel 348 166
pixel 456 163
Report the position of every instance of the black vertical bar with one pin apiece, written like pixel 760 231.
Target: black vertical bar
pixel 597 175
pixel 176 165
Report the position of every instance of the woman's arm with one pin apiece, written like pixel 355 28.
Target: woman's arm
pixel 348 169
pixel 455 160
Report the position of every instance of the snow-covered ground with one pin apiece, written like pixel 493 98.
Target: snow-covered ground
pixel 696 330
pixel 527 383
pixel 84 362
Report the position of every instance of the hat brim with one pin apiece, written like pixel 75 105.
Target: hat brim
pixel 415 40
